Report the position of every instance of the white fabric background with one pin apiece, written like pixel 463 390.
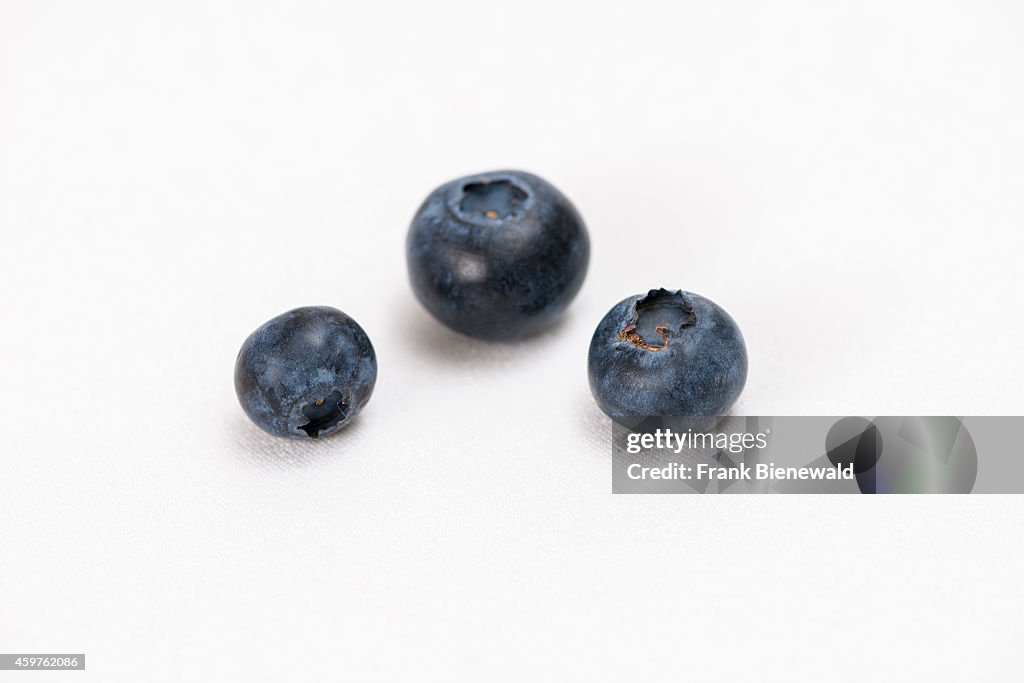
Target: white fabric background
pixel 844 178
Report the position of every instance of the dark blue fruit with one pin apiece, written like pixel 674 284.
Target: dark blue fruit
pixel 497 255
pixel 305 373
pixel 667 353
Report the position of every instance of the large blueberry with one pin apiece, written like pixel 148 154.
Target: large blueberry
pixel 497 255
pixel 667 353
pixel 305 373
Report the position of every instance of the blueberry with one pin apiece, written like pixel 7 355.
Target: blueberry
pixel 305 373
pixel 667 353
pixel 497 255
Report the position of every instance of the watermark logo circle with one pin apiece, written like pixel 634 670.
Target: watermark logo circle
pixel 906 454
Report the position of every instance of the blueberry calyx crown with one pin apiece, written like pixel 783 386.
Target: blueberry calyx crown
pixel 324 413
pixel 661 313
pixel 496 199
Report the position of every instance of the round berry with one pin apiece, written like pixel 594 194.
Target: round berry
pixel 667 353
pixel 497 255
pixel 306 373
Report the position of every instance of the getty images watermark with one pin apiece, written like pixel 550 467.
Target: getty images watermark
pixel 819 455
pixel 669 441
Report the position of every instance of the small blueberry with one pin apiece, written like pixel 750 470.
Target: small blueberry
pixel 305 373
pixel 667 354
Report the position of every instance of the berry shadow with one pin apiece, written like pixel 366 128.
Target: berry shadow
pixel 255 448
pixel 450 350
